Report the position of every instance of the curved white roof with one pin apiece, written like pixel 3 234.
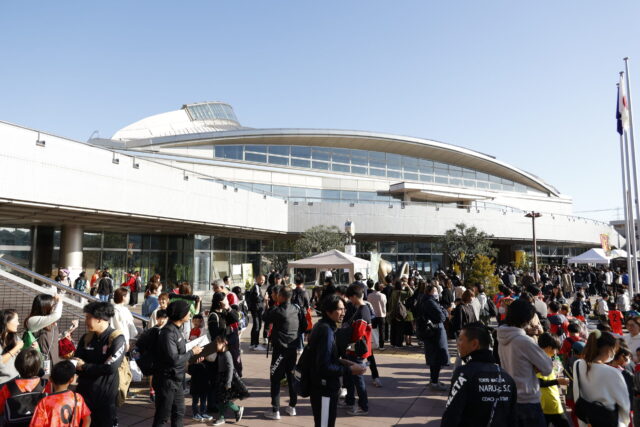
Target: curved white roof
pixel 213 123
pixel 389 143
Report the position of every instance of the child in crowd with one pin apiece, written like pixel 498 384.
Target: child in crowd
pixel 573 336
pixel 163 303
pixel 196 330
pixel 28 365
pixel 620 360
pixel 577 352
pixel 549 391
pixel 224 393
pixel 200 386
pixel 616 318
pixel 151 302
pixel 63 407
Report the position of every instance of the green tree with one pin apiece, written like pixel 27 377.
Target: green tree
pixel 319 239
pixel 483 272
pixel 463 244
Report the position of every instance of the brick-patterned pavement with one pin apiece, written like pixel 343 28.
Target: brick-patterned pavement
pixel 403 399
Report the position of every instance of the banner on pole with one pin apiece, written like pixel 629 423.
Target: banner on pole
pixel 604 241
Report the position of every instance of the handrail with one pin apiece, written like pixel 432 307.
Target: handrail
pixel 50 282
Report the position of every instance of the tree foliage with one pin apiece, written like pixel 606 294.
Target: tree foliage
pixel 319 239
pixel 463 244
pixel 483 272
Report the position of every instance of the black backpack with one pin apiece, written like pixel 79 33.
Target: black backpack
pixel 302 319
pixel 302 373
pixel 145 350
pixel 20 406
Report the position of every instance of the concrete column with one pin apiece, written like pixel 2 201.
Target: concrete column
pixel 43 251
pixel 71 250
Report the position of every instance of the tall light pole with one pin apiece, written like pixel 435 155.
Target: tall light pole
pixel 533 215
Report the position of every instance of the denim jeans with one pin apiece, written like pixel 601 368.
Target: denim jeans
pixel 530 415
pixel 104 298
pixel 355 383
pixel 199 403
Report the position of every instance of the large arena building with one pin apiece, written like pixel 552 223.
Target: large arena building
pixel 192 194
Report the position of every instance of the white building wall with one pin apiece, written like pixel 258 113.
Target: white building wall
pixel 415 220
pixel 73 174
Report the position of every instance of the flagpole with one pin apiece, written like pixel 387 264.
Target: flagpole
pixel 626 213
pixel 635 176
pixel 633 274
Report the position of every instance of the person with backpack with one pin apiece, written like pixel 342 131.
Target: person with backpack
pixel 558 323
pixel 170 362
pixel 225 392
pixel 80 284
pixel 98 358
pixel 573 336
pixel 286 321
pixel 300 299
pixel 359 322
pixel 255 303
pixel 398 312
pixel 436 347
pixel 579 308
pixel 105 287
pixel 323 370
pixel 62 407
pixel 470 403
pixel 143 352
pixel 18 397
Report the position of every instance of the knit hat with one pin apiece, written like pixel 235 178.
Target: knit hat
pixel 177 310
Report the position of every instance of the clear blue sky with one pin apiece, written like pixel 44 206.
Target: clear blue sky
pixel 532 83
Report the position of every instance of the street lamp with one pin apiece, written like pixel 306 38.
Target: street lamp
pixel 533 215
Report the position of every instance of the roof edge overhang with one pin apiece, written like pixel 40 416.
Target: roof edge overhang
pixel 375 141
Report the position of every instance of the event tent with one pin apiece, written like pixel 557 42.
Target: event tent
pixel 592 256
pixel 332 259
pixel 618 253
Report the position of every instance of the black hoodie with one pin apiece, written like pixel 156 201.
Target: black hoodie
pixel 475 388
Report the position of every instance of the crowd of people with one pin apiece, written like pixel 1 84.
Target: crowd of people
pixel 538 351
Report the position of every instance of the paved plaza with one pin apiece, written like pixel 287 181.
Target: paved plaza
pixel 403 400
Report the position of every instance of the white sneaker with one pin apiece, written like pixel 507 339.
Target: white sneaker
pixel 291 411
pixel 343 393
pixel 272 415
pixel 219 422
pixel 376 382
pixel 259 348
pixel 356 410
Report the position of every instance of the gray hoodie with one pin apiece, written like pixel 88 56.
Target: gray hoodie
pixel 520 356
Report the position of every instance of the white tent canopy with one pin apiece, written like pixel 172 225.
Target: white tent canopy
pixel 592 256
pixel 618 253
pixel 332 259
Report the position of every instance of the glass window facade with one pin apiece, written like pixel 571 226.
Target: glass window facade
pixel 372 163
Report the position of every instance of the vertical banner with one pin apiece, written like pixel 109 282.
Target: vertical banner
pixel 604 241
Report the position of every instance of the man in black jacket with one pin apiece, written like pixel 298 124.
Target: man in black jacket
pixel 98 358
pixel 255 303
pixel 170 364
pixel 285 321
pixel 482 393
pixel 327 366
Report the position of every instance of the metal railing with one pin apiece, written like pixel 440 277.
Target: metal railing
pixel 68 290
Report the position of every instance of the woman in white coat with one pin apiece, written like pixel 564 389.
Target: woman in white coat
pixel 123 319
pixel 595 381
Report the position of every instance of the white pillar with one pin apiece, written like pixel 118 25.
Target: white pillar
pixel 71 250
